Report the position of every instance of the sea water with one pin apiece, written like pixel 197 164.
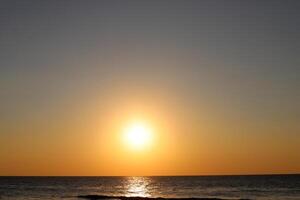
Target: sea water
pixel 261 187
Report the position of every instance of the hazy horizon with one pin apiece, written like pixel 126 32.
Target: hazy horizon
pixel 149 87
pixel 178 175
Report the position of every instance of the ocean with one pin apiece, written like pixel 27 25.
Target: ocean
pixel 261 187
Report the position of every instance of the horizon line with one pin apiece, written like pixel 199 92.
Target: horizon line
pixel 262 174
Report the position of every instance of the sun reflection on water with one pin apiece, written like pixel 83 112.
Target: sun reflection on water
pixel 137 186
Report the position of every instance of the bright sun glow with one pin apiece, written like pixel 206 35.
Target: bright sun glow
pixel 138 135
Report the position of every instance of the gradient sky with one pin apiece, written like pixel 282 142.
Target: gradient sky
pixel 218 81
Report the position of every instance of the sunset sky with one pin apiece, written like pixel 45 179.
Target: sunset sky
pixel 215 85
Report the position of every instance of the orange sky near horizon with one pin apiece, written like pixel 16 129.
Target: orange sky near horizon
pixel 89 142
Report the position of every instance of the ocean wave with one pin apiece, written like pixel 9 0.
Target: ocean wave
pixel 97 197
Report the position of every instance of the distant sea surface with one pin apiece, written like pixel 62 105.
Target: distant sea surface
pixel 261 187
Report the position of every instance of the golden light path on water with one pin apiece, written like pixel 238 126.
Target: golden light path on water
pixel 137 186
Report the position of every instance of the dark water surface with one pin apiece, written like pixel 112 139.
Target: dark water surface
pixel 224 187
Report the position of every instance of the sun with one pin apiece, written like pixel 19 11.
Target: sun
pixel 138 135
